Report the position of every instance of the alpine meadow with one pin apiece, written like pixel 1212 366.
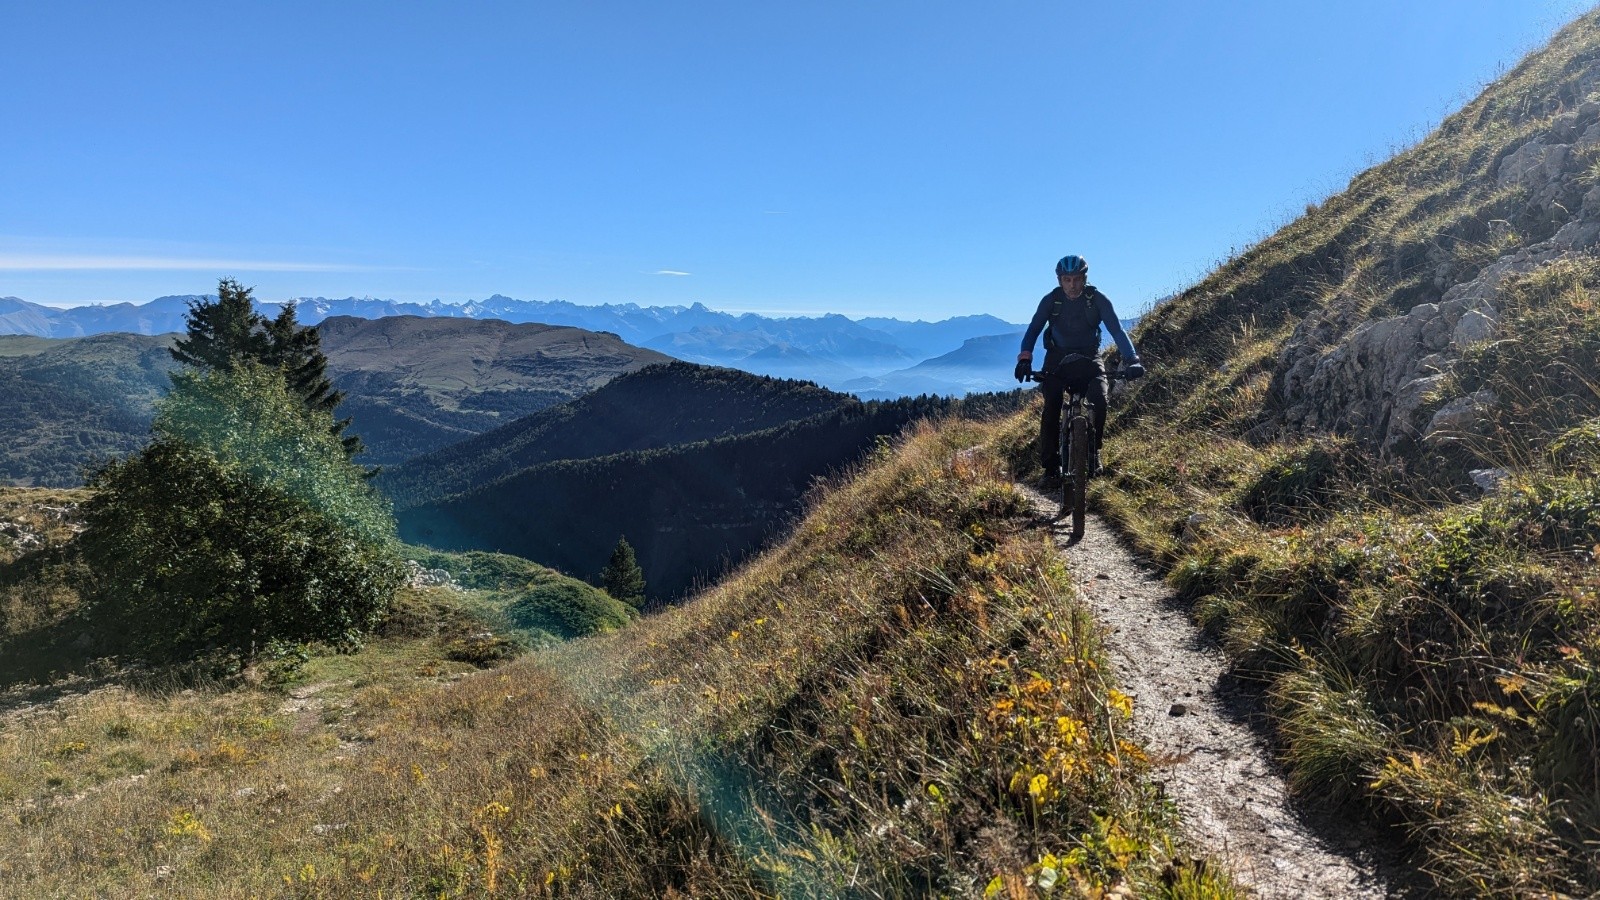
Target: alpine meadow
pixel 427 604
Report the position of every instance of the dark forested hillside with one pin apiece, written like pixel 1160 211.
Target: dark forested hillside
pixel 68 403
pixel 659 406
pixel 690 511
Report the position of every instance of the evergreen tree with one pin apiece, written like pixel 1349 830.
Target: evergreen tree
pixel 228 332
pixel 622 578
pixel 297 350
pixel 223 333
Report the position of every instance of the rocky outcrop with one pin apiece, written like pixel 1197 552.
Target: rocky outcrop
pixel 1380 380
pixel 1376 381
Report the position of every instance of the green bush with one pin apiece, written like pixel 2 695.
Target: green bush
pixel 483 650
pixel 566 608
pixel 480 570
pixel 533 598
pixel 1578 450
pixel 242 522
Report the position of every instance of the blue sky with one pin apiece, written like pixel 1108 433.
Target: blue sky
pixel 919 159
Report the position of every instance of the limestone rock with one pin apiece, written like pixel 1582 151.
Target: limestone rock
pixel 1461 418
pixel 1489 480
pixel 1533 164
pixel 1476 326
pixel 1343 372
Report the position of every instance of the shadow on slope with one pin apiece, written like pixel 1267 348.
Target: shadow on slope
pixel 690 511
pixel 655 407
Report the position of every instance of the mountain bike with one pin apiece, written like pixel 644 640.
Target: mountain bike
pixel 1077 445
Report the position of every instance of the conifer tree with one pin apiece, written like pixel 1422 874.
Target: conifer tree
pixel 297 350
pixel 228 333
pixel 622 578
pixel 224 333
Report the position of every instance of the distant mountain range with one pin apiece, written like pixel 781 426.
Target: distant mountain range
pixel 545 441
pixel 978 365
pixel 412 385
pixel 832 350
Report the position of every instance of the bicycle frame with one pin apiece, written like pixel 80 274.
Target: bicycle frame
pixel 1076 446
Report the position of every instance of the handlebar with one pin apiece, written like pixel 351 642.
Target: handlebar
pixel 1118 375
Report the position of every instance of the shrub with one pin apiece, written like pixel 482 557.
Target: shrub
pixel 532 598
pixel 242 522
pixel 566 607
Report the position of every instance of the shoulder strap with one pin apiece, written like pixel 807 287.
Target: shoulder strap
pixel 1092 297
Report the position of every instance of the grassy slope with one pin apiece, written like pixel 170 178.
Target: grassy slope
pixel 1430 655
pixel 902 699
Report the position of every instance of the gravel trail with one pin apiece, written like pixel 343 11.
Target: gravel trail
pixel 1194 722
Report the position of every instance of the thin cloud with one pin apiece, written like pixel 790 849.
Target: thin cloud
pixel 669 272
pixel 12 262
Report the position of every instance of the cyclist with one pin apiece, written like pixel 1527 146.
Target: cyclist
pixel 1073 313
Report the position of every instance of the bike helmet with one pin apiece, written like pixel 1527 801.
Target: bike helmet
pixel 1072 264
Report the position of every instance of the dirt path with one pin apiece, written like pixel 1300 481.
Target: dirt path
pixel 1194 723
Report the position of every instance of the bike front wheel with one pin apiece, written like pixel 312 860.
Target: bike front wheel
pixel 1076 484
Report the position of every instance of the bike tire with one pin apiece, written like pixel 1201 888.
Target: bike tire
pixel 1064 451
pixel 1077 481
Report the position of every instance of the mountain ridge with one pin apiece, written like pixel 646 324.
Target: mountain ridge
pixel 844 348
pixel 648 409
pixel 76 401
pixel 691 510
pixel 1367 456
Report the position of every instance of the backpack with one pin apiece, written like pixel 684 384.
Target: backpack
pixel 1089 293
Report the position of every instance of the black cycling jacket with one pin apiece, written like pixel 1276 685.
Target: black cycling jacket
pixel 1076 328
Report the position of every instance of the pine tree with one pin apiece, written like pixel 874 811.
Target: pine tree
pixel 297 350
pixel 223 333
pixel 227 333
pixel 622 578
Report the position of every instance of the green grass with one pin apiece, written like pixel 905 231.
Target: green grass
pixel 1433 662
pixel 1429 653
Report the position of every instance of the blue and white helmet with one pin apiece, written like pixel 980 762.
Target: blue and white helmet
pixel 1072 264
